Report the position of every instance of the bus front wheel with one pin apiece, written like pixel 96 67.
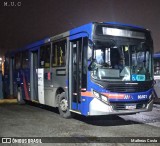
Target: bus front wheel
pixel 63 106
pixel 19 96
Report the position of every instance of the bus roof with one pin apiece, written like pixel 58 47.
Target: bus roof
pixel 86 27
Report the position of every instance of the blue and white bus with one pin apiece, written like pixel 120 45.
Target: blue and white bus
pixel 94 69
pixel 156 58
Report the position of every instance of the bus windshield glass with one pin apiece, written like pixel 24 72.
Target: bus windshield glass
pixel 125 61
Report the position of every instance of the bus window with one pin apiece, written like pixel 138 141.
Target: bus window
pixel 18 57
pixel 6 64
pixel 58 54
pixel 25 60
pixel 45 52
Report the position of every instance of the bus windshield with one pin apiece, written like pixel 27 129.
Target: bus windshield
pixel 125 61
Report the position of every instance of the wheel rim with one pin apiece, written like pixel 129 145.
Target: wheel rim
pixel 63 105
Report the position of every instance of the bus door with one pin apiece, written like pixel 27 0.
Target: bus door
pixel 34 75
pixel 75 73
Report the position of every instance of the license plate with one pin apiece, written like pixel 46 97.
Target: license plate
pixel 130 107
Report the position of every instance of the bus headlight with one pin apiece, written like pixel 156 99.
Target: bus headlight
pixel 100 97
pixel 104 98
pixel 96 94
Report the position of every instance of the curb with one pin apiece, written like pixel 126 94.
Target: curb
pixel 2 101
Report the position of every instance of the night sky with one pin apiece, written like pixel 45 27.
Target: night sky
pixel 32 20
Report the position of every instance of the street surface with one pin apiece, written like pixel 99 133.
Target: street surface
pixel 33 120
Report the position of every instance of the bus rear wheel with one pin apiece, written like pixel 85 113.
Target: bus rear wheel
pixel 63 106
pixel 20 100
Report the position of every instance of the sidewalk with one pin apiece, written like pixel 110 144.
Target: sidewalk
pixel 2 101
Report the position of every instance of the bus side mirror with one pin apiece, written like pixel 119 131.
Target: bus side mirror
pixel 92 65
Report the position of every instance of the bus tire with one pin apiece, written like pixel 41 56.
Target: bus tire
pixel 20 100
pixel 63 106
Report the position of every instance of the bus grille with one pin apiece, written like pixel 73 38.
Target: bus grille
pixel 127 88
pixel 122 106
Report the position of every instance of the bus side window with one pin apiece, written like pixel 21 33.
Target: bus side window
pixel 62 53
pixel 58 54
pixel 45 52
pixel 18 58
pixel 25 60
pixel 6 64
pixel 54 54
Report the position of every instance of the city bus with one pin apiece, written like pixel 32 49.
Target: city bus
pixel 156 58
pixel 95 69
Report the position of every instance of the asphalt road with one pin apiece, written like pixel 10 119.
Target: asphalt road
pixel 32 120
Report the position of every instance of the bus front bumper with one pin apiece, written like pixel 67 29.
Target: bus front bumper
pixel 97 107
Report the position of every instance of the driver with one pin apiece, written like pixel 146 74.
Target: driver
pixel 119 65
